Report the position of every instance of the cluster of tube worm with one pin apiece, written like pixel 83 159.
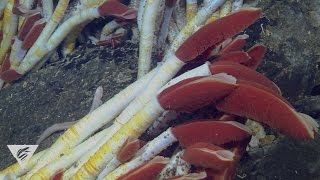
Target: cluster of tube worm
pixel 32 30
pixel 204 65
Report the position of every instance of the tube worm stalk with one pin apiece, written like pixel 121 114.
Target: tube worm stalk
pixel 3 5
pixel 93 121
pixel 18 170
pixel 225 9
pixel 133 129
pixel 146 36
pixel 47 9
pixel 173 31
pixel 10 26
pixel 183 167
pixel 162 123
pixel 236 5
pixel 142 6
pixel 153 148
pixel 68 174
pixel 191 9
pixel 169 170
pixel 68 159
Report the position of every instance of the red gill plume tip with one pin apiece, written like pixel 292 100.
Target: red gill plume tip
pixel 117 9
pixel 215 32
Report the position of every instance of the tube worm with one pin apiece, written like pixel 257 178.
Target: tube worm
pixel 108 8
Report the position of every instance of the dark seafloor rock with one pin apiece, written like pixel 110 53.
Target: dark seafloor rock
pixel 63 90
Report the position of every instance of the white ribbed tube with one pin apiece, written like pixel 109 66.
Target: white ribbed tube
pixel 153 148
pixel 68 159
pixel 146 36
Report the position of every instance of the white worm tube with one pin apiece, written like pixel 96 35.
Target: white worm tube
pixel 3 4
pixel 47 9
pixel 173 31
pixel 146 36
pixel 161 123
pixel 202 70
pixel 141 10
pixel 133 128
pixel 68 174
pixel 236 5
pixel 225 8
pixel 153 148
pixel 68 159
pixel 183 167
pixel 113 164
pixel 10 27
pixel 169 170
pixel 18 170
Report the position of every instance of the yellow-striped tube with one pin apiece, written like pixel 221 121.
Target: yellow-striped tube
pixel 133 128
pixel 67 160
pixel 17 170
pixel 10 25
pixel 191 9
